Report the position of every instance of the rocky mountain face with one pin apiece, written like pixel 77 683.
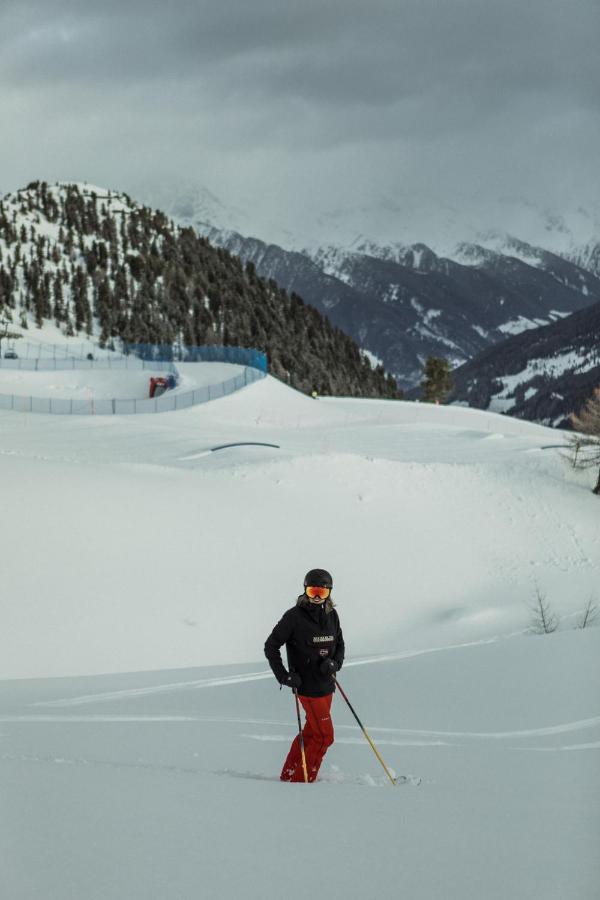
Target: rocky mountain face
pixel 542 375
pixel 95 261
pixel 587 257
pixel 405 302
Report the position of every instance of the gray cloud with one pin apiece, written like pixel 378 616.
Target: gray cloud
pixel 306 104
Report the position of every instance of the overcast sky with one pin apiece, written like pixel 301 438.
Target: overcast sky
pixel 305 106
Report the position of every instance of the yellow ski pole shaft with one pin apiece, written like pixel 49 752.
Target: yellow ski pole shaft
pixel 301 736
pixel 366 734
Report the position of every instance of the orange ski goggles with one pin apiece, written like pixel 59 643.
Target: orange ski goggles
pixel 321 592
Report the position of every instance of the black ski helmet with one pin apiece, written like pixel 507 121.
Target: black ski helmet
pixel 318 578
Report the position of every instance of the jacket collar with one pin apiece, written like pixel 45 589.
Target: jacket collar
pixel 315 610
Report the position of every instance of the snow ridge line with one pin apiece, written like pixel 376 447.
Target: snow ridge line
pixel 157 689
pixel 240 679
pixel 545 731
pixel 548 730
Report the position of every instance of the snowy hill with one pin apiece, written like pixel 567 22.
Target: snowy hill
pixel 99 265
pixel 145 567
pixel 201 526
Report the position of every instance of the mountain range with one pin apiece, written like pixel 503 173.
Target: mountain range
pixel 402 302
pixel 519 322
pixel 543 375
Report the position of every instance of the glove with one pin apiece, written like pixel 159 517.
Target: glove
pixel 328 667
pixel 293 680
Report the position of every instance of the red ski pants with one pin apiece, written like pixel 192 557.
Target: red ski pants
pixel 318 736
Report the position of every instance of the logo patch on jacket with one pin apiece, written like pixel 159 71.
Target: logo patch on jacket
pixel 323 639
pixel 323 652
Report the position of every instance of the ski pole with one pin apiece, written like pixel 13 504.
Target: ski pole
pixel 301 736
pixel 365 732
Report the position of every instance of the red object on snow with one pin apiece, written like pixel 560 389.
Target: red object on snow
pixel 158 386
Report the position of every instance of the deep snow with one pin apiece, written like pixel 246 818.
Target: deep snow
pixel 168 787
pixel 132 548
pixel 126 537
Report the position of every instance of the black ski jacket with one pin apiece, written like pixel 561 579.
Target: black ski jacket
pixel 311 633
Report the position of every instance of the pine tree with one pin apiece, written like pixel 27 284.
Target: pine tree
pixel 437 382
pixel 152 281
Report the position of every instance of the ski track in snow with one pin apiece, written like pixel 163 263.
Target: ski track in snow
pixel 226 680
pixel 285 738
pixel 592 745
pixel 400 737
pixel 157 689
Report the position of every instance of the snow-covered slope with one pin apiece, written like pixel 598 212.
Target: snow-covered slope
pixel 98 264
pixel 440 519
pixel 99 384
pixel 165 784
pixel 132 547
pixel 545 375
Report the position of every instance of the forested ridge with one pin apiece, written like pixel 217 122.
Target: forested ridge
pixel 96 262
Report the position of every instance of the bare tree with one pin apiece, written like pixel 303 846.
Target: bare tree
pixel 590 613
pixel 584 447
pixel 543 620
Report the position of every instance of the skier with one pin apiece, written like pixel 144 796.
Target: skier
pixel 313 637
